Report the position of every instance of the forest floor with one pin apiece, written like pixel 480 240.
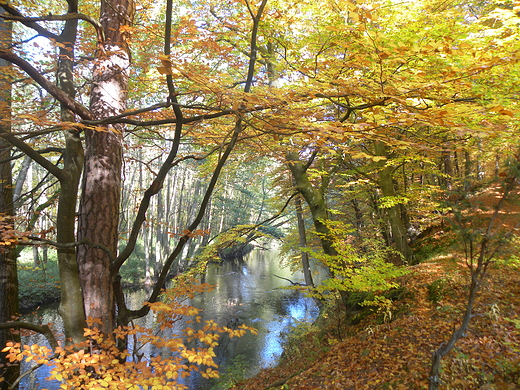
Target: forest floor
pixel 395 352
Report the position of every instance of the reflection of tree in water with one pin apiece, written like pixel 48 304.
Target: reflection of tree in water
pixel 245 292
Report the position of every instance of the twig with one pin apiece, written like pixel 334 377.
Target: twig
pixel 290 281
pixel 281 382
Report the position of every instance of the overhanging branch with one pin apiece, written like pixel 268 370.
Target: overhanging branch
pixel 56 92
pixel 43 329
pixel 70 16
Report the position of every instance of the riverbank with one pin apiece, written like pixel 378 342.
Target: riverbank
pixel 38 284
pixel 394 351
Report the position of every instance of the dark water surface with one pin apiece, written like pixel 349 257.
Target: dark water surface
pixel 246 291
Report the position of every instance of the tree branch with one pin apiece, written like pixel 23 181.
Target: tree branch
pixel 57 93
pixel 70 16
pixel 43 329
pixel 42 241
pixel 185 237
pixel 33 154
pixel 31 24
pixel 254 49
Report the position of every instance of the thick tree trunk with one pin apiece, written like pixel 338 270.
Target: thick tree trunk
pixel 315 200
pixel 99 211
pixel 394 213
pixel 8 269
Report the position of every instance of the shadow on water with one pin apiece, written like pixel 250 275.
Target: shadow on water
pixel 246 292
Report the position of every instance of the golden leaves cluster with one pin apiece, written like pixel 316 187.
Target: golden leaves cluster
pixel 99 363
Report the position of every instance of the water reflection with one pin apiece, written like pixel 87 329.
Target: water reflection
pixel 250 292
pixel 246 292
pixel 44 315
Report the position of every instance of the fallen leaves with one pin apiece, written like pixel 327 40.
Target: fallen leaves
pixel 397 355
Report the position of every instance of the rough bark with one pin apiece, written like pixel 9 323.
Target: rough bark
pixel 99 211
pixel 8 269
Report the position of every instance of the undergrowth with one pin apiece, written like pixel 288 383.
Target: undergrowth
pixel 37 285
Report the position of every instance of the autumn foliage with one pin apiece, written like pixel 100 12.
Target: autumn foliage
pixel 101 363
pixel 396 354
pixel 378 113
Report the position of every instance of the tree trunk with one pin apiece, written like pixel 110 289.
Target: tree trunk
pixel 358 215
pixel 20 180
pixel 468 174
pixel 99 211
pixel 448 168
pixel 315 200
pixel 8 269
pixel 303 243
pixel 71 302
pixel 394 212
pixel 434 378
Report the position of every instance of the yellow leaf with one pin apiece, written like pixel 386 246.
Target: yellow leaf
pixel 506 112
pixel 164 70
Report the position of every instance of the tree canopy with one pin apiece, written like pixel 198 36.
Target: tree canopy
pixel 150 128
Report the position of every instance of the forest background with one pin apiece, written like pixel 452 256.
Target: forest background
pixel 138 133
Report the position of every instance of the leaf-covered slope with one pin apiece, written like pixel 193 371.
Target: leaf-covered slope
pixel 397 355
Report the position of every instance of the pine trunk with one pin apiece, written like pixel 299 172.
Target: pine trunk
pixel 99 211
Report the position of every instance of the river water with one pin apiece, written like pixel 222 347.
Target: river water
pixel 248 291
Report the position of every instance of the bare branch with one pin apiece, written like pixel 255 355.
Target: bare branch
pixel 31 24
pixel 56 92
pixel 42 241
pixel 69 16
pixel 33 154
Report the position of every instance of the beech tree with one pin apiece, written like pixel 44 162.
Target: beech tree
pixel 318 88
pixel 102 127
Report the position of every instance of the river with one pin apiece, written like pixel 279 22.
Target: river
pixel 248 291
